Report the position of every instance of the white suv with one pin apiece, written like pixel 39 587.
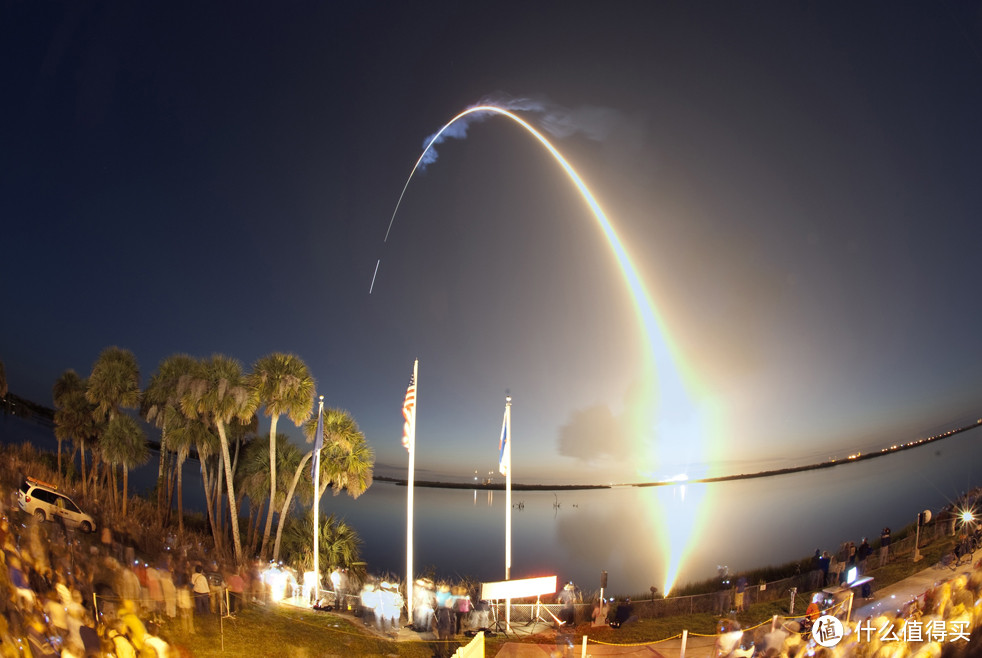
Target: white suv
pixel 43 501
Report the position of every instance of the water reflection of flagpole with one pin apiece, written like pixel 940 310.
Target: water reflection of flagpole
pixel 409 440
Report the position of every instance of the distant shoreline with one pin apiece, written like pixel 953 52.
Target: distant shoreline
pixel 858 457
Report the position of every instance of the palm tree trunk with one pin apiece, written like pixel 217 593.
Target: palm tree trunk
pixel 286 505
pixel 84 493
pixel 59 460
pixel 218 494
pixel 274 419
pixel 211 515
pixel 233 512
pixel 126 482
pixel 161 467
pixel 180 497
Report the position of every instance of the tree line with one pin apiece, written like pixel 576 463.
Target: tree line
pixel 209 406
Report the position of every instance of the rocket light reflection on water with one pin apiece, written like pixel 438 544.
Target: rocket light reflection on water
pixel 669 427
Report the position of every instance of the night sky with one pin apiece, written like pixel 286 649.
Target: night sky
pixel 797 183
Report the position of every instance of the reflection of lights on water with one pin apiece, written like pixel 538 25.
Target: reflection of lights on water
pixel 679 515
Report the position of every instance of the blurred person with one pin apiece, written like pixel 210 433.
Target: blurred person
pixel 862 552
pixel 56 613
pixel 462 608
pixel 624 613
pixel 393 607
pixel 185 607
pixel 132 624
pixel 424 599
pixel 37 639
pixel 236 590
pixel 335 578
pixel 155 592
pixel 738 597
pixel 169 592
pixel 201 590
pixel 884 545
pixel 367 604
pixel 599 614
pixel 481 616
pixel 568 598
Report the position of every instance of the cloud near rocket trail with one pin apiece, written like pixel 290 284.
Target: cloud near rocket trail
pixel 594 123
pixel 594 434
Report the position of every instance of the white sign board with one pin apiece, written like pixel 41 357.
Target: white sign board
pixel 518 589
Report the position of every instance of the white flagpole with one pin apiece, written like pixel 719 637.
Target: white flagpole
pixel 508 440
pixel 317 513
pixel 409 499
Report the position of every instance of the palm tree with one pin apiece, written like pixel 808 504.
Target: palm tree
pixel 124 443
pixel 284 386
pixel 218 390
pixel 69 384
pixel 158 402
pixel 74 421
pixel 339 543
pixel 114 383
pixel 347 462
pixel 253 479
pixel 182 436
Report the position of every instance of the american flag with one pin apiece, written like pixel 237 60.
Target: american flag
pixel 409 413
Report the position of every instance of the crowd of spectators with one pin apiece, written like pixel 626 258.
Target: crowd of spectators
pixel 66 593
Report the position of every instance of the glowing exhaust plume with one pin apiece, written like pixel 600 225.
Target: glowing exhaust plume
pixel 667 420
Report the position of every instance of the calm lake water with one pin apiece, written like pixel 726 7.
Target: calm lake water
pixel 576 534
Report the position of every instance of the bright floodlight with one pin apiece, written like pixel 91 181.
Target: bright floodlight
pixel 967 516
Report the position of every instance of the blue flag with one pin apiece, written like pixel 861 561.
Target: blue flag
pixel 504 450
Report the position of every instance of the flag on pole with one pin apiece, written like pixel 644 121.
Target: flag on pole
pixel 409 413
pixel 318 441
pixel 504 450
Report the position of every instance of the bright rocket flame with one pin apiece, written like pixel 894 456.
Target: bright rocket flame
pixel 668 420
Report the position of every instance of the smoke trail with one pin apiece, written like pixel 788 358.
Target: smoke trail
pixel 594 123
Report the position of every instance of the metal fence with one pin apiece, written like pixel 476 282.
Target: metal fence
pixel 722 602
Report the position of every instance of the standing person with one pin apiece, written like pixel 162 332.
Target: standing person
pixel 155 592
pixel 199 585
pixel 462 606
pixel 335 579
pixel 169 592
pixel 723 595
pixel 600 613
pixel 367 603
pixel 884 545
pixel 236 590
pixel 568 598
pixel 741 587
pixel 824 563
pixel 862 553
pixel 423 602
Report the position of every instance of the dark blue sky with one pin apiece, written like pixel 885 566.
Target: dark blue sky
pixel 798 184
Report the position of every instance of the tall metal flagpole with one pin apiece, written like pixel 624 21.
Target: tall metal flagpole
pixel 409 430
pixel 508 487
pixel 506 460
pixel 318 444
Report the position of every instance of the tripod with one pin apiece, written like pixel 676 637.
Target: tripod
pixel 538 618
pixel 499 625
